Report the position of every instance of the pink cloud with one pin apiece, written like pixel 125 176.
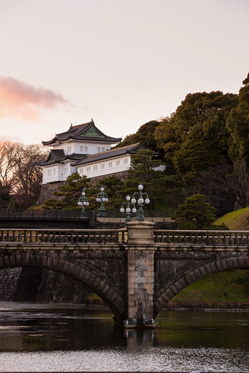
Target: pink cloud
pixel 22 100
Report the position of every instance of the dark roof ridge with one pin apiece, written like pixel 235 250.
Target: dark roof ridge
pixel 75 132
pixel 121 148
pixel 109 154
pixel 57 150
pixel 73 129
pixel 80 125
pixel 53 157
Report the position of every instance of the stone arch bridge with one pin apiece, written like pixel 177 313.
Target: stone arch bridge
pixel 135 270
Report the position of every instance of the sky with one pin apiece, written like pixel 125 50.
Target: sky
pixel 121 63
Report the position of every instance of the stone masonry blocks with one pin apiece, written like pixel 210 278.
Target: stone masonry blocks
pixel 140 282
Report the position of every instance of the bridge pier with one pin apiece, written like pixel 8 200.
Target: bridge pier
pixel 141 249
pixel 118 264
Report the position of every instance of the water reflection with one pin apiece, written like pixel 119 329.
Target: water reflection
pixel 203 329
pixel 49 338
pixel 137 340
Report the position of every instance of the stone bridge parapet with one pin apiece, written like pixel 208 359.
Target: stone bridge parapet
pixel 135 270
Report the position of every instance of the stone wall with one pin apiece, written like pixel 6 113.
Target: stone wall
pixel 47 190
pixel 8 283
pixel 40 285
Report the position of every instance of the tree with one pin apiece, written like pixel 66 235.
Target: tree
pixel 26 175
pixel 114 188
pixel 238 125
pixel 196 154
pixel 128 140
pixel 227 178
pixel 144 168
pixel 7 163
pixel 7 151
pixel 20 179
pixel 196 136
pixel 69 193
pixel 145 135
pixel 165 191
pixel 4 196
pixel 166 139
pixel 195 213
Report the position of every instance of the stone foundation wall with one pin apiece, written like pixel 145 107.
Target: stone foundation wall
pixel 8 283
pixel 47 190
pixel 42 286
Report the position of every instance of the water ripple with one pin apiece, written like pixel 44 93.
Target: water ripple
pixel 154 359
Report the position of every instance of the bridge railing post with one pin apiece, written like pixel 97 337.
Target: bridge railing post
pixel 141 249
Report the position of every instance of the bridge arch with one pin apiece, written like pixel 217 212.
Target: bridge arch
pixel 89 275
pixel 168 290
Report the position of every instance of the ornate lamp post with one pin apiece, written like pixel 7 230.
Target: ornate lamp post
pixel 83 201
pixel 128 210
pixel 140 212
pixel 140 201
pixel 102 197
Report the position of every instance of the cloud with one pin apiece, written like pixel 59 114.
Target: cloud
pixel 22 100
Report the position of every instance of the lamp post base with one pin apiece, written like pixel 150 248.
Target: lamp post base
pixel 102 214
pixel 139 323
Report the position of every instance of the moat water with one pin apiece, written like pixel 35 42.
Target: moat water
pixel 48 338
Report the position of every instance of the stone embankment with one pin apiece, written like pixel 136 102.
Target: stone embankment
pixel 39 285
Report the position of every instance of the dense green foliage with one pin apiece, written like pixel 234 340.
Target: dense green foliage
pixel 145 135
pixel 164 190
pixel 238 124
pixel 69 193
pixel 114 188
pixel 195 213
pixel 196 137
pixel 204 146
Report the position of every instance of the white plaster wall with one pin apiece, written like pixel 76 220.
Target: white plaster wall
pixel 160 168
pixel 50 174
pixel 65 147
pixel 92 148
pixel 105 167
pixel 82 147
pixel 58 172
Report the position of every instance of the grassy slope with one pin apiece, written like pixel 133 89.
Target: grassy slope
pixel 220 289
pixel 224 288
pixel 236 220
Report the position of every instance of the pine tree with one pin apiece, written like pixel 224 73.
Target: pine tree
pixel 195 213
pixel 69 193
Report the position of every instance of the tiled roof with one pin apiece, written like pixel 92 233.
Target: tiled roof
pixel 129 149
pixel 58 155
pixel 77 133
